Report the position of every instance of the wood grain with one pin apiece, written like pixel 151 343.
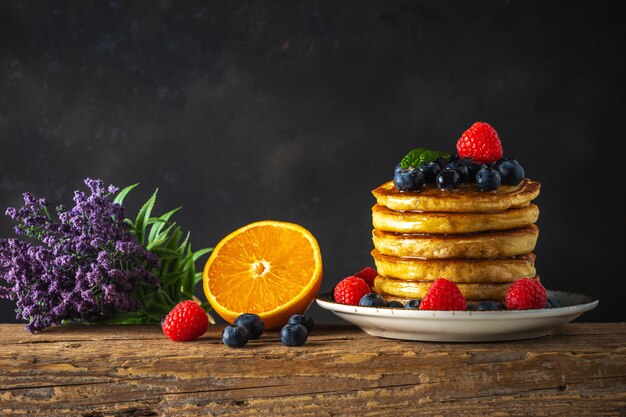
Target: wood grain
pixel 123 371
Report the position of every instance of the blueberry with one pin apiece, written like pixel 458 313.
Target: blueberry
pixel 511 171
pixel 473 168
pixel 397 169
pixel 442 162
pixel 409 179
pixel 448 179
pixel 235 336
pixel 394 304
pixel 252 323
pixel 461 168
pixel 372 300
pixel 488 179
pixel 430 171
pixel 293 335
pixel 550 303
pixel 487 306
pixel 413 304
pixel 306 321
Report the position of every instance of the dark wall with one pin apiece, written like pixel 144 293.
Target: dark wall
pixel 295 110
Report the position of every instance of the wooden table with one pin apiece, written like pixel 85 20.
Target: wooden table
pixel 123 371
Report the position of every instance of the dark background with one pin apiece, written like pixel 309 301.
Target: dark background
pixel 295 110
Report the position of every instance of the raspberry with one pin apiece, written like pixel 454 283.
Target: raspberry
pixel 367 274
pixel 443 295
pixel 186 321
pixel 350 290
pixel 480 142
pixel 525 294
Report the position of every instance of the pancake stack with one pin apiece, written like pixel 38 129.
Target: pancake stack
pixel 482 241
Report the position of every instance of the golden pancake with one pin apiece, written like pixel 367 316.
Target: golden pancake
pixel 467 199
pixel 456 270
pixel 499 244
pixel 447 223
pixel 417 289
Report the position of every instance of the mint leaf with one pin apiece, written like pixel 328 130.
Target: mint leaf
pixel 421 156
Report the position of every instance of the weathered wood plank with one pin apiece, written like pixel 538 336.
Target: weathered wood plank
pixel 135 371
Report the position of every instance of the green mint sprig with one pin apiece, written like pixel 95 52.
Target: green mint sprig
pixel 176 271
pixel 421 156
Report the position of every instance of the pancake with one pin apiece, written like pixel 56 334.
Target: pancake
pixel 467 199
pixel 417 289
pixel 456 270
pixel 498 244
pixel 439 223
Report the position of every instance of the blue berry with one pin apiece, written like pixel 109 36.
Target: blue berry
pixel 397 169
pixel 488 179
pixel 430 171
pixel 473 168
pixel 413 304
pixel 461 168
pixel 306 321
pixel 372 300
pixel 252 323
pixel 511 171
pixel 394 304
pixel 448 179
pixel 293 335
pixel 487 306
pixel 442 162
pixel 409 179
pixel 550 303
pixel 235 336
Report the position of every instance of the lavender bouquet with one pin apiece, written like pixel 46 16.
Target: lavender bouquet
pixel 91 263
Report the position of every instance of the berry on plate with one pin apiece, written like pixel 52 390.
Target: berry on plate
pixel 253 323
pixel 448 179
pixel 187 321
pixel 293 335
pixel 306 321
pixel 235 336
pixel 480 142
pixel 443 295
pixel 413 304
pixel 367 274
pixel 394 304
pixel 372 300
pixel 350 290
pixel 526 294
pixel 409 179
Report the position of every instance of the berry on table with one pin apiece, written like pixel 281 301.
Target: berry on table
pixel 306 321
pixel 511 171
pixel 372 300
pixel 409 179
pixel 488 179
pixel 253 323
pixel 350 290
pixel 526 294
pixel 448 179
pixel 293 335
pixel 443 295
pixel 367 274
pixel 187 321
pixel 235 336
pixel 412 304
pixel 480 142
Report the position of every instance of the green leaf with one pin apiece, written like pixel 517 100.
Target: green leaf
pixel 421 156
pixel 201 252
pixel 143 216
pixel 159 223
pixel 167 252
pixel 119 199
pixel 172 277
pixel 197 278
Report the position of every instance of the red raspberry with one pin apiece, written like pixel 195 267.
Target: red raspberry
pixel 186 321
pixel 480 142
pixel 350 290
pixel 367 274
pixel 443 295
pixel 525 294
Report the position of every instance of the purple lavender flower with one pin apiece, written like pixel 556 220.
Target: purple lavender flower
pixel 86 266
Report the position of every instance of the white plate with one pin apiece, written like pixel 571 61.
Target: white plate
pixel 463 326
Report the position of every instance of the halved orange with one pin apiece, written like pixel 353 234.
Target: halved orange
pixel 269 268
